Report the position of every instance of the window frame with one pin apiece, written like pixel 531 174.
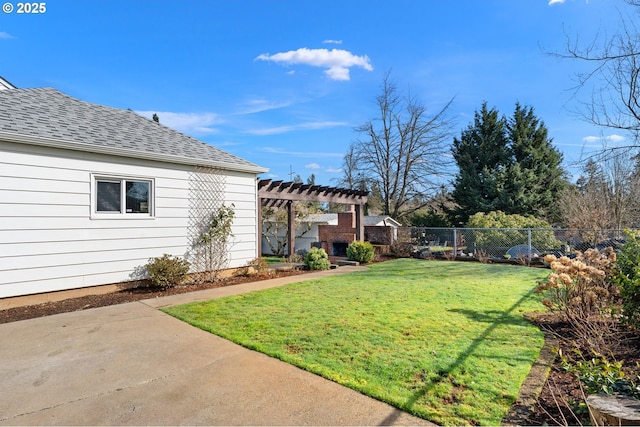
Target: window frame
pixel 122 214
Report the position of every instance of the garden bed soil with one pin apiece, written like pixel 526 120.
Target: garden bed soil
pixel 562 399
pixel 557 404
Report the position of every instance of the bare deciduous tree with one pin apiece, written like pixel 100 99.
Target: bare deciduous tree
pixel 402 151
pixel 275 227
pixel 614 101
pixel 607 196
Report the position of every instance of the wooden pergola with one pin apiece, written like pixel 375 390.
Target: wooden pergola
pixel 279 194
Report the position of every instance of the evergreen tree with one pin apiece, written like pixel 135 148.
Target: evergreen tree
pixel 593 178
pixel 535 176
pixel 506 165
pixel 481 154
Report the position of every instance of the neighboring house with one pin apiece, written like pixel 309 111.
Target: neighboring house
pixel 372 235
pixel 89 193
pixel 307 231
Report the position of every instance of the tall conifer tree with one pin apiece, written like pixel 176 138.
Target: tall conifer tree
pixel 507 165
pixel 535 176
pixel 481 154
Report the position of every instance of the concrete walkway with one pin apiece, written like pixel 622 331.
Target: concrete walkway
pixel 131 364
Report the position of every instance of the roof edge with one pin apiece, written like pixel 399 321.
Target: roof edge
pixel 125 152
pixel 6 84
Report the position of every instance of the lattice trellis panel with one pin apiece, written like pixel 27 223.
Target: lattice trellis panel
pixel 206 195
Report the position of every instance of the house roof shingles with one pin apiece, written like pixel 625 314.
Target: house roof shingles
pixel 47 115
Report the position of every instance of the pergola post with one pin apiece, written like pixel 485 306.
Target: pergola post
pixel 259 227
pixel 359 223
pixel 291 227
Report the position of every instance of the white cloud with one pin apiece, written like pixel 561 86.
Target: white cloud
pixel 5 36
pixel 299 153
pixel 604 139
pixel 331 170
pixel 330 41
pixel 615 138
pixel 189 123
pixel 258 105
pixel 552 2
pixel 312 166
pixel 587 144
pixel 292 128
pixel 336 62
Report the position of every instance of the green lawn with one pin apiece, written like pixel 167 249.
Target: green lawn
pixel 274 259
pixel 443 340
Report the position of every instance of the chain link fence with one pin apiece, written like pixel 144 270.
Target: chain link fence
pixel 504 243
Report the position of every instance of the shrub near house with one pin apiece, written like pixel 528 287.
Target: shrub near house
pixel 360 251
pixel 167 271
pixel 317 259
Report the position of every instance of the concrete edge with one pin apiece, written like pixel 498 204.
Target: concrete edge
pixel 225 291
pixel 532 386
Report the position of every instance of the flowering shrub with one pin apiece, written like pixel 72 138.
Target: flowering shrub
pixel 580 286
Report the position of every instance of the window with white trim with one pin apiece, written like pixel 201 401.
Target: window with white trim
pixel 123 196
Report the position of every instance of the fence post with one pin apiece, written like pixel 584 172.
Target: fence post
pixel 455 242
pixel 529 241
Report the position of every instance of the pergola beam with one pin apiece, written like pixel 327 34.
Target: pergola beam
pixel 278 193
pixel 278 190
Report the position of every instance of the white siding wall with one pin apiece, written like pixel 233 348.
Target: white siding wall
pixel 302 243
pixel 49 242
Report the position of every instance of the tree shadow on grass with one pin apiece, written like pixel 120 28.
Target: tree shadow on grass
pixel 495 320
pixel 491 316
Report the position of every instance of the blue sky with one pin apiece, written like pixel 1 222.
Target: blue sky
pixel 284 83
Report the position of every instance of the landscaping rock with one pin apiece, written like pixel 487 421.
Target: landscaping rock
pixel 614 410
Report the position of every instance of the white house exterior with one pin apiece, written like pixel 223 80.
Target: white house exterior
pixel 89 193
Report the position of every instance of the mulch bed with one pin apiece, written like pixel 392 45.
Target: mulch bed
pixel 561 401
pixel 556 405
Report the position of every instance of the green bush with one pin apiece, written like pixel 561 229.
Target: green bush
pixel 500 236
pixel 598 375
pixel 360 251
pixel 627 277
pixel 167 271
pixel 317 259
